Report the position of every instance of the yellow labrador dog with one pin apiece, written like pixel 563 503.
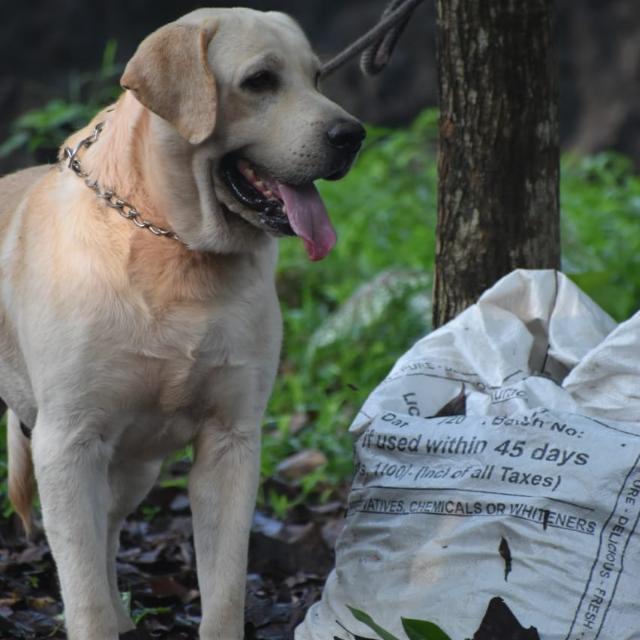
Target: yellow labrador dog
pixel 138 307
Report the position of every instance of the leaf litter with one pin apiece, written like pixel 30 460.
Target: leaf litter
pixel 288 564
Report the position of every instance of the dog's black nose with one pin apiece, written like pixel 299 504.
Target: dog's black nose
pixel 346 135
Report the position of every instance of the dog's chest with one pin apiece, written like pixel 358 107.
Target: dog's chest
pixel 194 364
pixel 184 353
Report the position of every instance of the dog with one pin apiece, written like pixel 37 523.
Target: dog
pixel 138 305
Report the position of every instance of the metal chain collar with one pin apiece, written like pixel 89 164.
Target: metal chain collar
pixel 124 208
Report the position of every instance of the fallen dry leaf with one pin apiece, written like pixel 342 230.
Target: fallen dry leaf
pixel 301 464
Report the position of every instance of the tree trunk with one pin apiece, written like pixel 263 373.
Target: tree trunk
pixel 498 159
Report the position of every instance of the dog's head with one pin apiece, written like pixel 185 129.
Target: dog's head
pixel 238 103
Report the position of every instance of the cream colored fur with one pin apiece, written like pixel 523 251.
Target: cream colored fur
pixel 22 482
pixel 118 347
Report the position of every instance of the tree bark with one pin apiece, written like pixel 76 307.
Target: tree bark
pixel 498 158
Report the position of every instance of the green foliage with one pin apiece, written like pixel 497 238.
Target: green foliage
pixel 600 199
pixel 423 630
pixel 149 512
pixel 47 127
pixel 365 618
pixel 279 504
pixel 415 629
pixel 139 614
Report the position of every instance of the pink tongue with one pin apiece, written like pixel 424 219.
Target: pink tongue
pixel 309 219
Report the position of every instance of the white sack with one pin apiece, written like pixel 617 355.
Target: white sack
pixel 547 458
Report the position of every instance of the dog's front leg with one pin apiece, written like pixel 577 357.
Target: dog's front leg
pixel 222 489
pixel 71 465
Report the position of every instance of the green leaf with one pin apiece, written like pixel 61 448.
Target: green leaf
pixel 350 633
pixel 139 614
pixel 423 630
pixel 365 618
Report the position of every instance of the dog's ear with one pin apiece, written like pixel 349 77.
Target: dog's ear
pixel 169 74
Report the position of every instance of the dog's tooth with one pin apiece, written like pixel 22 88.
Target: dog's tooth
pixel 246 170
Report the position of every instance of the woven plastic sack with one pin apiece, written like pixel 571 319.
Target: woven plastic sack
pixel 499 459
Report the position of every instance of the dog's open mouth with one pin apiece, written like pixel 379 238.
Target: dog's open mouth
pixel 282 208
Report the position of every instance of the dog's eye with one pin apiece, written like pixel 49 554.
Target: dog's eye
pixel 261 81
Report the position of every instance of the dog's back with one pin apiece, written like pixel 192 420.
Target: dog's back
pixel 13 189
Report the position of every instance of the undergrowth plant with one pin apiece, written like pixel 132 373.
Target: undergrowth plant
pixel 414 629
pixel 43 130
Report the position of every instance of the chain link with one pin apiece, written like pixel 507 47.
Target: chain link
pixel 124 208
